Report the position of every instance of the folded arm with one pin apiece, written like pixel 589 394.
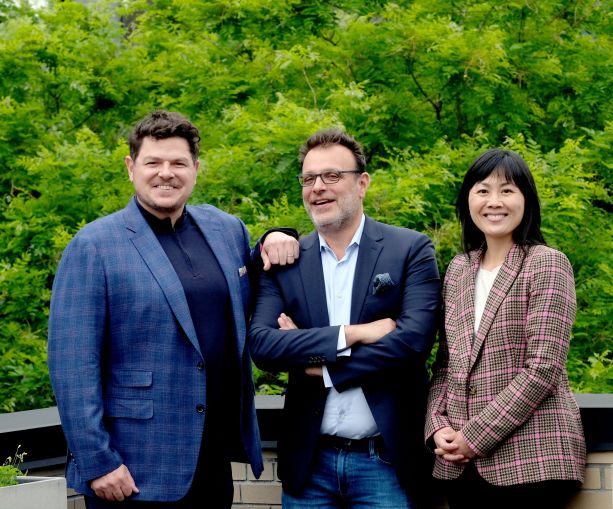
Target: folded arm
pixel 275 349
pixel 410 341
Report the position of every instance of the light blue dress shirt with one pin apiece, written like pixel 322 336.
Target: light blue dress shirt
pixel 346 414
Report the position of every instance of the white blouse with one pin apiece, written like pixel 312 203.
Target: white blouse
pixel 483 285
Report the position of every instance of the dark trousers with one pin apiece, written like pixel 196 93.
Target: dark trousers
pixel 471 491
pixel 212 487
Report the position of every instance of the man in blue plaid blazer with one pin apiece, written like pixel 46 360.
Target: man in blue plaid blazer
pixel 147 332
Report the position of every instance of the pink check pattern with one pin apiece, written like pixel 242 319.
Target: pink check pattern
pixel 506 386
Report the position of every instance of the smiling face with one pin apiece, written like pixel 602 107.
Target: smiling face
pixel 164 175
pixel 334 208
pixel 496 207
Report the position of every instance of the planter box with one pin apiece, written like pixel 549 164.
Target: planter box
pixel 35 493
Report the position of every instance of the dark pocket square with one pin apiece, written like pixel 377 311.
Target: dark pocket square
pixel 381 283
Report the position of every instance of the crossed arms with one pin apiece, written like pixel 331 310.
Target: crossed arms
pixel 386 340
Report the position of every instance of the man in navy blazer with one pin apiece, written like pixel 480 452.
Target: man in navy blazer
pixel 353 322
pixel 147 334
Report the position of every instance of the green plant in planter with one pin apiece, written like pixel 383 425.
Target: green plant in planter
pixel 9 470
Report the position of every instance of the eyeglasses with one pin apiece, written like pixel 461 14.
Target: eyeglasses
pixel 327 177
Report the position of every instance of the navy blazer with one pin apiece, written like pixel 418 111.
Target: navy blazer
pixel 391 372
pixel 124 359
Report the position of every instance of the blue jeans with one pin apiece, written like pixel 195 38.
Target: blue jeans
pixel 347 480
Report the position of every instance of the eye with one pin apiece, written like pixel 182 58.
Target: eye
pixel 308 179
pixel 331 176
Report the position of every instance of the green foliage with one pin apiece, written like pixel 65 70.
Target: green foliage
pixel 9 470
pixel 425 85
pixel 268 383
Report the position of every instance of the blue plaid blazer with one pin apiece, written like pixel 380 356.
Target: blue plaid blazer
pixel 124 357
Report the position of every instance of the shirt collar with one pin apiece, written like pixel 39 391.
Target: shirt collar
pixel 161 225
pixel 357 236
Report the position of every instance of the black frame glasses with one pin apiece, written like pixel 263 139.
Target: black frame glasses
pixel 326 176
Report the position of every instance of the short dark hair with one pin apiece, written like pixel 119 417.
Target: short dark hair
pixel 514 169
pixel 162 124
pixel 329 137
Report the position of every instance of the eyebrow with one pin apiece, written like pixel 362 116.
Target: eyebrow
pixel 504 183
pixel 157 158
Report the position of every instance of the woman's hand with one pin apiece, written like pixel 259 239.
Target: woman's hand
pixel 451 446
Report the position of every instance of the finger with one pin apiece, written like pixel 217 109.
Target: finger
pixel 447 446
pixel 453 457
pixel 265 260
pixel 272 251
pixel 283 322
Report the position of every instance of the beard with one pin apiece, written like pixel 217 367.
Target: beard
pixel 348 208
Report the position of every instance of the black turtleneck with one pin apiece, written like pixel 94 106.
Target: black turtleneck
pixel 210 307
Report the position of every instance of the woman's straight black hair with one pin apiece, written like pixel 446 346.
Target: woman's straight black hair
pixel 512 168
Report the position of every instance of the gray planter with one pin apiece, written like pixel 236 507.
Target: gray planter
pixel 35 493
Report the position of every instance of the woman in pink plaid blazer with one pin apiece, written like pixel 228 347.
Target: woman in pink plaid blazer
pixel 502 420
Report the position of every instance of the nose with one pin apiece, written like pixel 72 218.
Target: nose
pixel 494 199
pixel 165 170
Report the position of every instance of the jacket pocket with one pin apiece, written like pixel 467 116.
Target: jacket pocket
pixel 129 408
pixel 131 378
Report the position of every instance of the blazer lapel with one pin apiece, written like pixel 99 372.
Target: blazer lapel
pixel 220 242
pixel 312 275
pixel 368 254
pixel 502 284
pixel 155 258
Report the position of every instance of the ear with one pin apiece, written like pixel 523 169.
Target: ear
pixel 130 166
pixel 197 166
pixel 363 183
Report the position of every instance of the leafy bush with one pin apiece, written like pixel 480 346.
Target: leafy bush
pixel 425 85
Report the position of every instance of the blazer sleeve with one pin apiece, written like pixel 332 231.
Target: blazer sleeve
pixel 77 325
pixel 436 415
pixel 550 315
pixel 411 341
pixel 275 350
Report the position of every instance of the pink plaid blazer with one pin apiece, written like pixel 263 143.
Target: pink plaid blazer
pixel 505 386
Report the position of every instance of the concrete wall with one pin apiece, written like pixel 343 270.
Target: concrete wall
pixel 39 433
pixel 265 493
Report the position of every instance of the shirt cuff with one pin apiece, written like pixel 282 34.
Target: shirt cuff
pixel 327 380
pixel 342 350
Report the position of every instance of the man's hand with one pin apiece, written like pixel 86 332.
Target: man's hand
pixel 279 249
pixel 368 333
pixel 285 322
pixel 451 446
pixel 115 486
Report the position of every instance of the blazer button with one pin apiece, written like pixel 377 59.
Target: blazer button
pixel 472 390
pixel 200 409
pixel 200 366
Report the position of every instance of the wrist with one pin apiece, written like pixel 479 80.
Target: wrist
pixel 351 334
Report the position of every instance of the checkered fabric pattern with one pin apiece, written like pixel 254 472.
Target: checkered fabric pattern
pixel 506 386
pixel 124 359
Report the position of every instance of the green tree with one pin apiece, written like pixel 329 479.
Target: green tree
pixel 425 85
